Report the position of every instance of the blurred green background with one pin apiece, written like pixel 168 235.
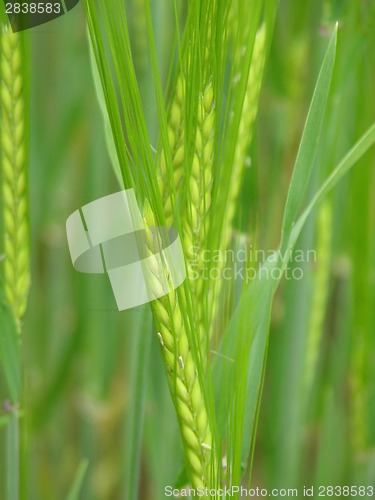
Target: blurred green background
pixel 79 355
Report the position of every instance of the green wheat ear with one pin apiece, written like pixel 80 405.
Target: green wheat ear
pixel 182 372
pixel 249 113
pixel 14 175
pixel 200 182
pixel 196 213
pixel 245 134
pixel 176 126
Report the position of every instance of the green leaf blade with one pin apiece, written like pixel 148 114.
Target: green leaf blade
pixel 310 141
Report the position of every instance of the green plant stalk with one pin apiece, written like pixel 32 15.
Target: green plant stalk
pixel 13 162
pixel 12 458
pixel 182 372
pixel 14 176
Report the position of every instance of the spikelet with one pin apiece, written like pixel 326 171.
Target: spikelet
pixel 249 113
pixel 14 175
pixel 196 212
pixel 320 295
pixel 176 145
pixel 181 369
pixel 169 184
pixel 200 182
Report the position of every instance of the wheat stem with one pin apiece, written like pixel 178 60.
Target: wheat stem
pixel 14 175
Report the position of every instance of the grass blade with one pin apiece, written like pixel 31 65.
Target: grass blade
pixel 137 388
pixel 110 142
pixel 74 493
pixel 350 159
pixel 309 143
pixel 264 297
pixel 261 291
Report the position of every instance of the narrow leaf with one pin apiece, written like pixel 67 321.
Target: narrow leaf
pixel 75 491
pixel 309 143
pixel 110 142
pixel 134 426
